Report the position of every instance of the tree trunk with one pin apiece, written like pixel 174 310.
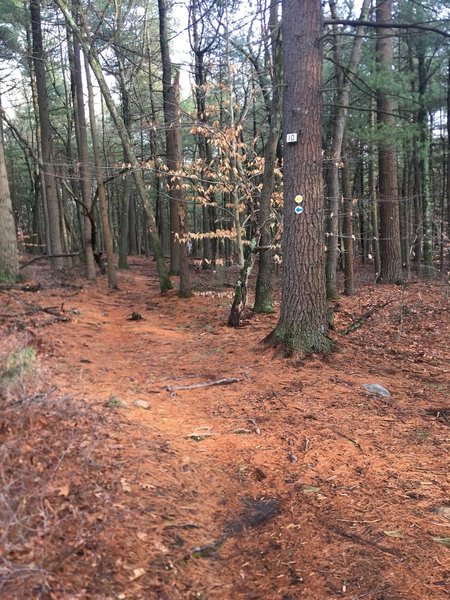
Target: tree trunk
pixel 233 149
pixel 83 155
pixel 303 321
pixel 124 204
pixel 174 162
pixel 9 256
pixel 404 209
pixel 241 289
pixel 89 49
pixel 264 291
pixel 334 157
pixel 347 234
pixel 390 250
pixel 204 147
pixel 103 204
pixel 169 114
pixel 132 226
pixel 448 159
pixel 51 197
pixel 159 203
pixel 424 162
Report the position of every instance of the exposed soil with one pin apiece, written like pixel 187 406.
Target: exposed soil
pixel 292 482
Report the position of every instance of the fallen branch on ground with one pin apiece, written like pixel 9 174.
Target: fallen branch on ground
pixel 173 389
pixel 21 287
pixel 42 256
pixel 34 309
pixel 360 540
pixel 363 318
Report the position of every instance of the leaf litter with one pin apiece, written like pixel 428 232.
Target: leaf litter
pixel 101 503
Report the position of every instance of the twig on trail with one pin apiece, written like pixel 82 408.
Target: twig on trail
pixel 280 399
pixel 42 256
pixel 255 425
pixel 36 398
pixel 363 318
pixel 353 441
pixel 35 308
pixel 173 389
pixel 21 287
pixel 359 540
pixel 182 526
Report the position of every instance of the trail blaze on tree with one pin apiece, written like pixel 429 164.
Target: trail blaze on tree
pixel 213 161
pixel 303 321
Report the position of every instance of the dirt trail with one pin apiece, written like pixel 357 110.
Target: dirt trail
pixel 292 483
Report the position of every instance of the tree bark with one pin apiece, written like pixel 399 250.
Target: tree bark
pixel 424 162
pixel 9 256
pixel 169 114
pixel 174 162
pixel 83 154
pixel 204 147
pixel 264 291
pixel 303 320
pixel 334 156
pixel 102 201
pixel 51 197
pixel 390 249
pixel 347 233
pixel 90 51
pixel 233 149
pixel 448 159
pixel 124 204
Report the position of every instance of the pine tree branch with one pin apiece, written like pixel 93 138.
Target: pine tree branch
pixel 390 25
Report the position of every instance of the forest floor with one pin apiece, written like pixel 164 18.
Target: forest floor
pixel 291 482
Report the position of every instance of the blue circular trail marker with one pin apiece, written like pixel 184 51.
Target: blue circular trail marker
pixel 298 210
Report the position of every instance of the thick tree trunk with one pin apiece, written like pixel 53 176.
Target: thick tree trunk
pixel 303 321
pixel 51 197
pixel 179 253
pixel 390 250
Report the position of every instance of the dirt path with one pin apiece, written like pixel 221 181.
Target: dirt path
pixel 293 482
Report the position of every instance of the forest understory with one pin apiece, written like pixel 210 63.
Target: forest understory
pixel 126 474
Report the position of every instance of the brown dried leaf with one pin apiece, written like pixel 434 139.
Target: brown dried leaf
pixel 125 485
pixel 137 573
